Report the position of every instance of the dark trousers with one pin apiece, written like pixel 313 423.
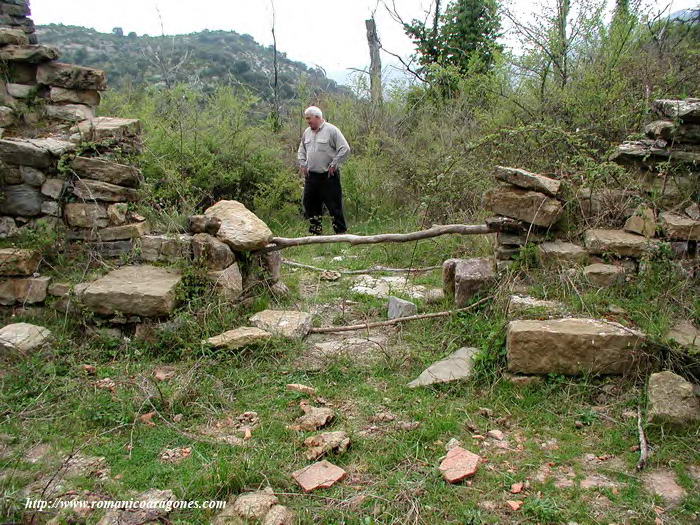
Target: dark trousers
pixel 320 189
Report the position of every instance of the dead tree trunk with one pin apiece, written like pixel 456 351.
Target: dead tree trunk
pixel 375 68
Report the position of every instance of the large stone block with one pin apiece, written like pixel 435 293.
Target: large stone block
pixel 671 131
pixel 530 206
pixel 604 275
pixel 20 200
pixel 70 76
pixel 672 400
pixel 684 110
pixel 142 290
pixel 240 228
pixel 103 128
pixel 17 261
pixel 618 242
pixel 571 346
pixel 10 36
pixel 106 171
pixel 471 277
pixel 285 323
pixel 215 254
pixel 112 233
pixel 60 95
pixel 228 282
pixel 53 188
pixel 561 253
pixel 85 215
pixel 166 248
pixel 96 190
pixel 7 117
pixel 24 152
pixel 528 181
pixel 30 290
pixel 20 90
pixel 679 227
pixel 454 367
pixel 69 112
pixel 32 54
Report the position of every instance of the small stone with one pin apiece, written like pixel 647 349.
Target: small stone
pixel 457 366
pixel 308 390
pixel 278 515
pixel 693 211
pixel 514 505
pixel 459 464
pixel 229 282
pixel 452 443
pixel 528 181
pixel 53 188
pixel 23 337
pixel 319 475
pixel 322 444
pixel 313 418
pixel 59 289
pixel 213 253
pixel 604 275
pixel 255 504
pixel 685 334
pixel 678 227
pixel 672 400
pixel 239 338
pixel 471 276
pixel 284 323
pixel 643 222
pixel 516 488
pixel 175 455
pixel 495 434
pixel 400 308
pixel 27 290
pixel 522 381
pixel 116 213
pixel 525 306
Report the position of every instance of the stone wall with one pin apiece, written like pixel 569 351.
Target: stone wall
pixel 14 14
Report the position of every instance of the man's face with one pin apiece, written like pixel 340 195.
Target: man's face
pixel 314 121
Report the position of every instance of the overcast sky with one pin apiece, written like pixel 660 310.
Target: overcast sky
pixel 326 33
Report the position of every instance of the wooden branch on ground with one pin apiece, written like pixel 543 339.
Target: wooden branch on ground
pixel 643 445
pixel 353 327
pixel 373 269
pixel 279 243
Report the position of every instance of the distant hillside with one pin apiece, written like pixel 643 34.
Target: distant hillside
pixel 207 58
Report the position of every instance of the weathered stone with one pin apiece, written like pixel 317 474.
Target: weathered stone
pixel 685 334
pixel 456 366
pixel 561 253
pixel 278 515
pixel 255 505
pixel 69 112
pixel 166 248
pixel 8 228
pixel 133 290
pixel 571 346
pixel 32 54
pixel 518 238
pixel 239 337
pixel 229 282
pixel 400 308
pixel 103 128
pixel 313 418
pixel 672 400
pixel 12 37
pixel 70 76
pixel 17 261
pixel 319 475
pixel 59 289
pixel 285 323
pixel 325 443
pixel 113 249
pixel 20 90
pixel 107 171
pixel 111 233
pixel 459 464
pixel 85 215
pixel 32 176
pixel 679 227
pixel 471 277
pixel 618 242
pixel 20 200
pixel 60 95
pixel 448 276
pixel 53 188
pixel 530 206
pixel 7 117
pixel 56 147
pixel 684 110
pixel 117 213
pixel 87 189
pixel 387 285
pixel 507 253
pixel 240 228
pixel 649 154
pixel 524 306
pixel 215 254
pixel 24 152
pixel 606 204
pixel 30 290
pixel 23 337
pixel 156 506
pixel 693 211
pixel 528 181
pixel 670 131
pixel 604 275
pixel 643 222
pixel 204 224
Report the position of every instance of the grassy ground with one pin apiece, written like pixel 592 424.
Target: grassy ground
pixel 392 463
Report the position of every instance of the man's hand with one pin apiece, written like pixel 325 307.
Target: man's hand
pixel 304 172
pixel 332 170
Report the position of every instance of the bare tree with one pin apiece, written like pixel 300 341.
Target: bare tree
pixel 276 124
pixel 375 68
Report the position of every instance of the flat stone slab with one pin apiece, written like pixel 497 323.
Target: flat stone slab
pixel 23 337
pixel 385 286
pixel 25 290
pixel 672 400
pixel 679 227
pixel 239 337
pixel 459 464
pixel 95 190
pixel 561 253
pixel 571 346
pixel 361 349
pixel 684 110
pixel 457 366
pixel 18 261
pixel 618 242
pixel 284 323
pixel 142 290
pixel 102 128
pixel 240 228
pixel 526 205
pixel 107 171
pixel 524 305
pixel 322 474
pixel 528 181
pixel 604 275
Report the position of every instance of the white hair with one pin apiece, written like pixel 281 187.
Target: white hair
pixel 313 110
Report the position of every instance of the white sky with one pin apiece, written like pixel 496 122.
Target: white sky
pixel 326 33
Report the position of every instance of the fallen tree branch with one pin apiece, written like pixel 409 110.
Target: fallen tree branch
pixel 279 243
pixel 643 445
pixel 373 269
pixel 353 327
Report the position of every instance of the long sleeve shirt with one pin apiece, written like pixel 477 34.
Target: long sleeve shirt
pixel 320 149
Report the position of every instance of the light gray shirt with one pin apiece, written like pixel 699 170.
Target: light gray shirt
pixel 318 150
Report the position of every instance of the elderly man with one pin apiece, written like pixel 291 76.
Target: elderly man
pixel 322 151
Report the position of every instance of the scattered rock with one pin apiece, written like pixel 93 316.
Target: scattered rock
pixel 618 242
pixel 561 253
pixel 278 515
pixel 23 337
pixel 225 430
pixel 456 366
pixel 139 515
pixel 284 323
pixel 672 400
pixel 386 286
pixel 322 444
pixel 240 228
pixel 106 384
pixel 175 455
pixel 239 337
pixel 255 505
pixel 693 211
pixel 515 505
pixel 308 390
pixel 400 308
pixel 522 381
pixel 571 346
pixel 604 275
pixel 459 464
pixel 528 181
pixel 662 482
pixel 452 443
pixel 495 434
pixel 319 475
pixel 164 373
pixel 313 418
pixel 517 488
pixel 642 222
